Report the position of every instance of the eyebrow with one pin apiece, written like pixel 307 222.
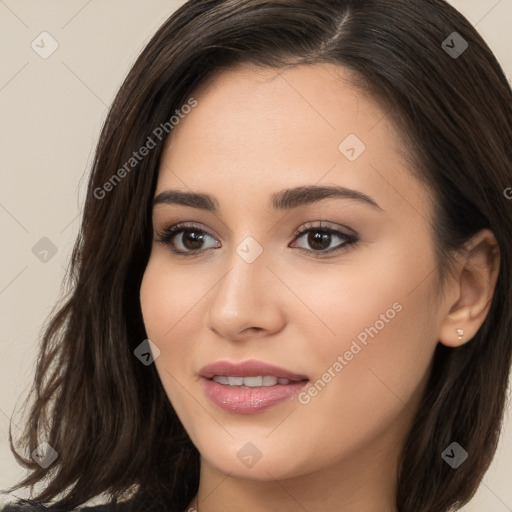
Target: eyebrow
pixel 283 200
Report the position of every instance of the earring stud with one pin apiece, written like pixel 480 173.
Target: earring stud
pixel 460 332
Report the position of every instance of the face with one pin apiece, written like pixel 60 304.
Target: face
pixel 337 290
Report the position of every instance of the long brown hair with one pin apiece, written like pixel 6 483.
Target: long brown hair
pixel 106 414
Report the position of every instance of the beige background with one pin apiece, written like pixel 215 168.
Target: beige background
pixel 51 111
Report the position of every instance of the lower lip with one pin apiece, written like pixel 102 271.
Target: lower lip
pixel 244 400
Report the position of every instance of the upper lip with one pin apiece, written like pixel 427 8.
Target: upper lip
pixel 250 368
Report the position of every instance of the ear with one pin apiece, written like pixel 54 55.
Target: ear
pixel 473 287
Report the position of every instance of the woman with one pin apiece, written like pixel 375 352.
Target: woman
pixel 291 289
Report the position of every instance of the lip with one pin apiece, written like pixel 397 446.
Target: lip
pixel 249 368
pixel 249 400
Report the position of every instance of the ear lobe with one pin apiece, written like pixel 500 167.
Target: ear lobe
pixel 477 275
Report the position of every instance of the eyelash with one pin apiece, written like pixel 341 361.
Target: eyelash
pixel 165 237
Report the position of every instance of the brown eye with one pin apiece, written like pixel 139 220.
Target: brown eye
pixel 319 238
pixel 192 240
pixel 183 238
pixel 188 240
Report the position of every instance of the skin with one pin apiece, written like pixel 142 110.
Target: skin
pixel 255 132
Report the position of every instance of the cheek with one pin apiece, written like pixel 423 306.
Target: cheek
pixel 168 298
pixel 380 320
pixel 362 392
pixel 375 366
pixel 379 297
pixel 167 304
pixel 173 305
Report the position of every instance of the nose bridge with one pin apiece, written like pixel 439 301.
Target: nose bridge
pixel 247 268
pixel 241 299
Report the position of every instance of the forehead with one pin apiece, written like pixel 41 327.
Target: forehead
pixel 261 130
pixel 305 104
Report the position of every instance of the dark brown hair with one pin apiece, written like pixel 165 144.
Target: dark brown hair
pixel 106 414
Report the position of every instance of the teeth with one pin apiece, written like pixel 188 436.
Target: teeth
pixel 250 382
pixel 253 382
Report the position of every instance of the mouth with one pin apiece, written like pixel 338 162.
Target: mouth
pixel 252 382
pixel 249 387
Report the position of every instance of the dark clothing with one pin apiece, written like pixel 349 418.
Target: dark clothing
pixel 25 506
pixel 140 502
pixel 36 508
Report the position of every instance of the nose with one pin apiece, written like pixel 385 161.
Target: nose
pixel 246 300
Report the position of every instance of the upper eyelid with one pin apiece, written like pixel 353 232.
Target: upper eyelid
pixel 170 231
pixel 179 227
pixel 330 226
